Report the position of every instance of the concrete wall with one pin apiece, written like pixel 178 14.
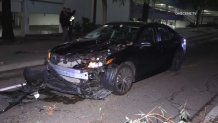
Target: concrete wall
pixel 83 8
pixel 15 6
pixel 48 6
pixel 50 9
pixel 44 7
pixel 209 19
pixel 115 12
pixel 181 24
pixel 44 19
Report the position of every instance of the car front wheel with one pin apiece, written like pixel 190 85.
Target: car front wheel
pixel 177 60
pixel 123 79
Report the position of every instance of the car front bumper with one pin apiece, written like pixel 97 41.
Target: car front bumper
pixel 86 87
pixel 55 82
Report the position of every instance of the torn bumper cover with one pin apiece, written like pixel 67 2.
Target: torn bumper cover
pixel 56 83
pixel 72 81
pixel 69 72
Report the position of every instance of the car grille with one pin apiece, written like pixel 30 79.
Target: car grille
pixel 69 61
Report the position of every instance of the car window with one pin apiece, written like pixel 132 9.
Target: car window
pixel 164 34
pixel 102 31
pixel 133 31
pixel 147 35
pixel 119 33
pixel 115 32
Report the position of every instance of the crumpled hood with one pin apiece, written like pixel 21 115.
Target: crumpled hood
pixel 81 46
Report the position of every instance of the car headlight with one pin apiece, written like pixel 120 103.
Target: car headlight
pixel 95 64
pixel 49 55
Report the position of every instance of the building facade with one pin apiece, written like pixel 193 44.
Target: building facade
pixel 42 13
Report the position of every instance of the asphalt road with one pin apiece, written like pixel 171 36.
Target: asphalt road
pixel 195 86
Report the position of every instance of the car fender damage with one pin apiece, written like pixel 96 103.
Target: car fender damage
pixel 89 75
pixel 94 83
pixel 38 80
pixel 107 80
pixel 85 89
pixel 107 60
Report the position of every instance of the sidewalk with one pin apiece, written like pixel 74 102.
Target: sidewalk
pixel 200 36
pixel 193 32
pixel 28 51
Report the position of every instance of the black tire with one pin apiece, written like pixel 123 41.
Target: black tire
pixel 34 78
pixel 123 79
pixel 177 60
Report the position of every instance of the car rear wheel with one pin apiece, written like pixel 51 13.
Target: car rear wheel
pixel 177 60
pixel 124 78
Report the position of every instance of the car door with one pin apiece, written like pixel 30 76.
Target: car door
pixel 165 41
pixel 148 52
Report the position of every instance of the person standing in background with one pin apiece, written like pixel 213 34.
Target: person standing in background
pixel 64 21
pixel 71 16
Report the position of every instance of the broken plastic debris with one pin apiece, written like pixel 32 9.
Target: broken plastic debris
pixel 50 109
pixel 36 94
pixel 12 87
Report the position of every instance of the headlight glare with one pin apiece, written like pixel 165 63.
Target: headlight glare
pixel 95 64
pixel 49 55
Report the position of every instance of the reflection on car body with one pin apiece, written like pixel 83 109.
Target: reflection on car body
pixel 112 57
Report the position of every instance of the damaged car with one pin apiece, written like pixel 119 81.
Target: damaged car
pixel 112 57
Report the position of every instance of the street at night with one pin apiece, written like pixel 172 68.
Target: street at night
pixel 195 86
pixel 108 61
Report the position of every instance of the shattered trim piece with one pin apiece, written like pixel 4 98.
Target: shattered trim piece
pixel 12 87
pixel 70 72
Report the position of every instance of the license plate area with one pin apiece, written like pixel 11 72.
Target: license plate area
pixel 69 72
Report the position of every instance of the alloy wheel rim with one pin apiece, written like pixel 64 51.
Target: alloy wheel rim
pixel 124 80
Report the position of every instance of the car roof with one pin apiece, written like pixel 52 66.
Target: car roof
pixel 137 24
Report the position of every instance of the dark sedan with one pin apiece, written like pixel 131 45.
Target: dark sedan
pixel 112 57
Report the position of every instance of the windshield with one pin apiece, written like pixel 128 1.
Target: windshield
pixel 116 32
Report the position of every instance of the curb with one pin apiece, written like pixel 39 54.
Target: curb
pixel 21 65
pixel 208 112
pixel 207 38
pixel 211 116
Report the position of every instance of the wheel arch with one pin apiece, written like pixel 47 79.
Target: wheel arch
pixel 107 79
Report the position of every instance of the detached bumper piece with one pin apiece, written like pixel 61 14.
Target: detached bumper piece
pixel 69 72
pixel 34 80
pixel 85 89
pixel 57 83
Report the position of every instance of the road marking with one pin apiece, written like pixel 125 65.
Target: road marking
pixel 12 87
